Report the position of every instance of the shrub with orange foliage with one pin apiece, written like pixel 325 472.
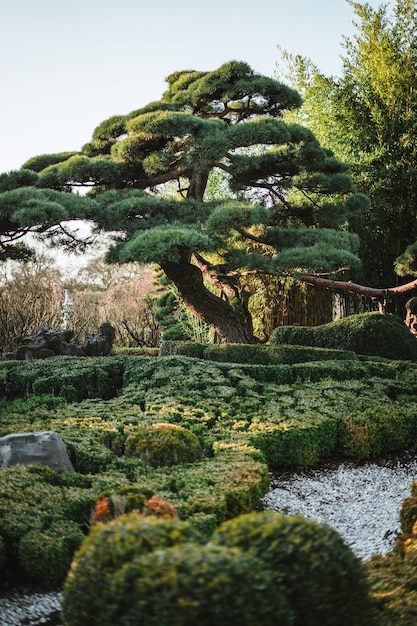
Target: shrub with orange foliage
pixel 113 506
pixel 159 508
pixel 102 512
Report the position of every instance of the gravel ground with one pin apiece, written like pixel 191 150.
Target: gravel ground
pixel 362 503
pixel 31 609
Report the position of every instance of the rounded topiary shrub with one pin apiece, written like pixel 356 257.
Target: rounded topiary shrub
pixel 88 590
pixel 322 579
pixel 370 334
pixel 188 585
pixel 163 444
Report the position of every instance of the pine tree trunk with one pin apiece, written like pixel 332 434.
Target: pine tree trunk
pixel 232 325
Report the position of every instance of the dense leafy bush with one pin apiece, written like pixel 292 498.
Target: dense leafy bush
pixel 46 554
pixel 105 552
pixel 393 577
pixel 43 517
pixel 273 354
pixel 258 568
pixel 296 443
pixel 188 585
pixel 322 579
pixel 393 589
pixel 162 444
pixel 73 378
pixel 371 334
pixel 184 348
pixel 375 432
pixel 260 354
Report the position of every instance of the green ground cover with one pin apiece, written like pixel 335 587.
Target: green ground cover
pixel 242 419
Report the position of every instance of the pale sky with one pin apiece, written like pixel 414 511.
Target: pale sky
pixel 67 66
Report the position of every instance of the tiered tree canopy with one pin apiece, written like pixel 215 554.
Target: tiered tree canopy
pixel 281 205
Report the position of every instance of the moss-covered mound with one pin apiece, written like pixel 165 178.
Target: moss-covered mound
pixel 370 334
pixel 261 568
pixel 322 580
pixel 162 444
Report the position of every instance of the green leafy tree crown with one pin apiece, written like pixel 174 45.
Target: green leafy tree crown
pixel 283 204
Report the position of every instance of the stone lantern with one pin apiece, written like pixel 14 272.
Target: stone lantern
pixel 67 310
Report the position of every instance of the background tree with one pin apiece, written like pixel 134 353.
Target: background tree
pixel 290 214
pixel 122 294
pixel 368 117
pixel 32 293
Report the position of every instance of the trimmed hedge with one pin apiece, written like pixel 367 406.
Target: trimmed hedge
pixel 163 444
pixel 46 554
pixel 73 378
pixel 259 568
pixel 370 334
pixel 243 416
pixel 323 581
pixel 259 354
pixel 297 443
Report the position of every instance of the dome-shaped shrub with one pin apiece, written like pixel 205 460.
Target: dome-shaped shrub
pixel 322 579
pixel 163 444
pixel 188 585
pixel 371 334
pixel 106 550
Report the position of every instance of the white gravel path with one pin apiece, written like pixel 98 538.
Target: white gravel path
pixel 362 503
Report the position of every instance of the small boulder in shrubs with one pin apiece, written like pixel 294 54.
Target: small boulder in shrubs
pixel 163 444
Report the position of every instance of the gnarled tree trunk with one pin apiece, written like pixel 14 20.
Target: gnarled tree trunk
pixel 233 325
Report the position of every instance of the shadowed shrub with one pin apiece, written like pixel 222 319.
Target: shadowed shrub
pixel 322 579
pixel 89 593
pixel 370 334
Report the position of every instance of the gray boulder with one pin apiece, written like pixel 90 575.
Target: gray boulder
pixel 37 448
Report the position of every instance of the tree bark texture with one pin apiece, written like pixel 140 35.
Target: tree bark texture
pixel 232 325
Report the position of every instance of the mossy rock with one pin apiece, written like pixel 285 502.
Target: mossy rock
pixel 163 444
pixel 322 579
pixel 370 334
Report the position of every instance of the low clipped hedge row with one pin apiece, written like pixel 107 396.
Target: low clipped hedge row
pixel 370 334
pixel 258 354
pixel 257 568
pixel 73 378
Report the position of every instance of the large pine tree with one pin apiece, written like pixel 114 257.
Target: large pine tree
pixel 286 211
